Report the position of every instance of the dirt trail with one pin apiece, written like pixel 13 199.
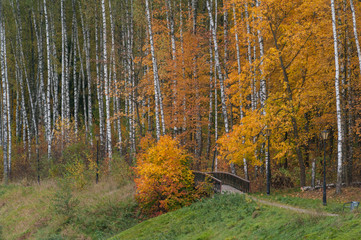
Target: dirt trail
pixel 229 189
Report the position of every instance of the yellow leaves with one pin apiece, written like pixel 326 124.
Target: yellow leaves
pixel 244 140
pixel 164 180
pixel 76 173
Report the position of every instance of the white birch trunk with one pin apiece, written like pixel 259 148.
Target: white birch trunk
pixel 155 69
pixel 5 96
pixel 86 46
pixel 338 102
pixel 116 90
pixel 99 83
pixel 263 89
pixel 55 75
pixel 106 86
pixel 48 110
pixel 75 79
pixel 355 33
pixel 63 67
pixel 313 179
pixel 173 50
pixel 219 70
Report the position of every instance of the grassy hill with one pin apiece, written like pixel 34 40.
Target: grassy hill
pixel 49 211
pixel 237 217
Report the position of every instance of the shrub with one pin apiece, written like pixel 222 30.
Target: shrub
pixel 164 181
pixel 282 178
pixel 77 164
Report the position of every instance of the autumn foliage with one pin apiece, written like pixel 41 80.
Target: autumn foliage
pixel 165 181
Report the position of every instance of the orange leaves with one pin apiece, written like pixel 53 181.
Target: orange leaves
pixel 164 181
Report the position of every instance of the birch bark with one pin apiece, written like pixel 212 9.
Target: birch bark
pixel 48 110
pixel 106 85
pixel 116 90
pixel 155 70
pixel 218 69
pixel 99 83
pixel 63 67
pixel 86 46
pixel 338 102
pixel 355 33
pixel 4 112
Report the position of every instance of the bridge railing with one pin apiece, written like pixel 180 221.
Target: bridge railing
pixel 200 177
pixel 232 180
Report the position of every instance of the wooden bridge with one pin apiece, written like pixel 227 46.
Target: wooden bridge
pixel 219 179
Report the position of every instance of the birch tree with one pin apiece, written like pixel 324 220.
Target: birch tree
pixel 106 84
pixel 338 102
pixel 116 90
pixel 355 33
pixel 6 127
pixel 86 46
pixel 218 68
pixel 220 74
pixel 64 60
pixel 99 82
pixel 157 98
pixel 48 89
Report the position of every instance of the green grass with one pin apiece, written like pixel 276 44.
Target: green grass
pixel 96 212
pixel 282 196
pixel 237 217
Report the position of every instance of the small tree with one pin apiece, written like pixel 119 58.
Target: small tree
pixel 164 180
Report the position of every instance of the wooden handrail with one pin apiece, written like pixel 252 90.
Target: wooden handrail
pixel 232 180
pixel 219 178
pixel 203 177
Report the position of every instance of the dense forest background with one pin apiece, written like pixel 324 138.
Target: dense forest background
pixel 85 84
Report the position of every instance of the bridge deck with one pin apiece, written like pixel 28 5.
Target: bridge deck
pixel 231 182
pixel 230 189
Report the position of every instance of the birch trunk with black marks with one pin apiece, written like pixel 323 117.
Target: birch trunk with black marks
pixel 49 83
pixel 86 47
pixel 99 83
pixel 155 70
pixel 5 96
pixel 116 87
pixel 218 68
pixel 63 68
pixel 338 102
pixel 355 33
pixel 106 86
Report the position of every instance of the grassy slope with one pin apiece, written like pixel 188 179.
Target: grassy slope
pixel 313 199
pixel 235 217
pixel 27 212
pixel 313 204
